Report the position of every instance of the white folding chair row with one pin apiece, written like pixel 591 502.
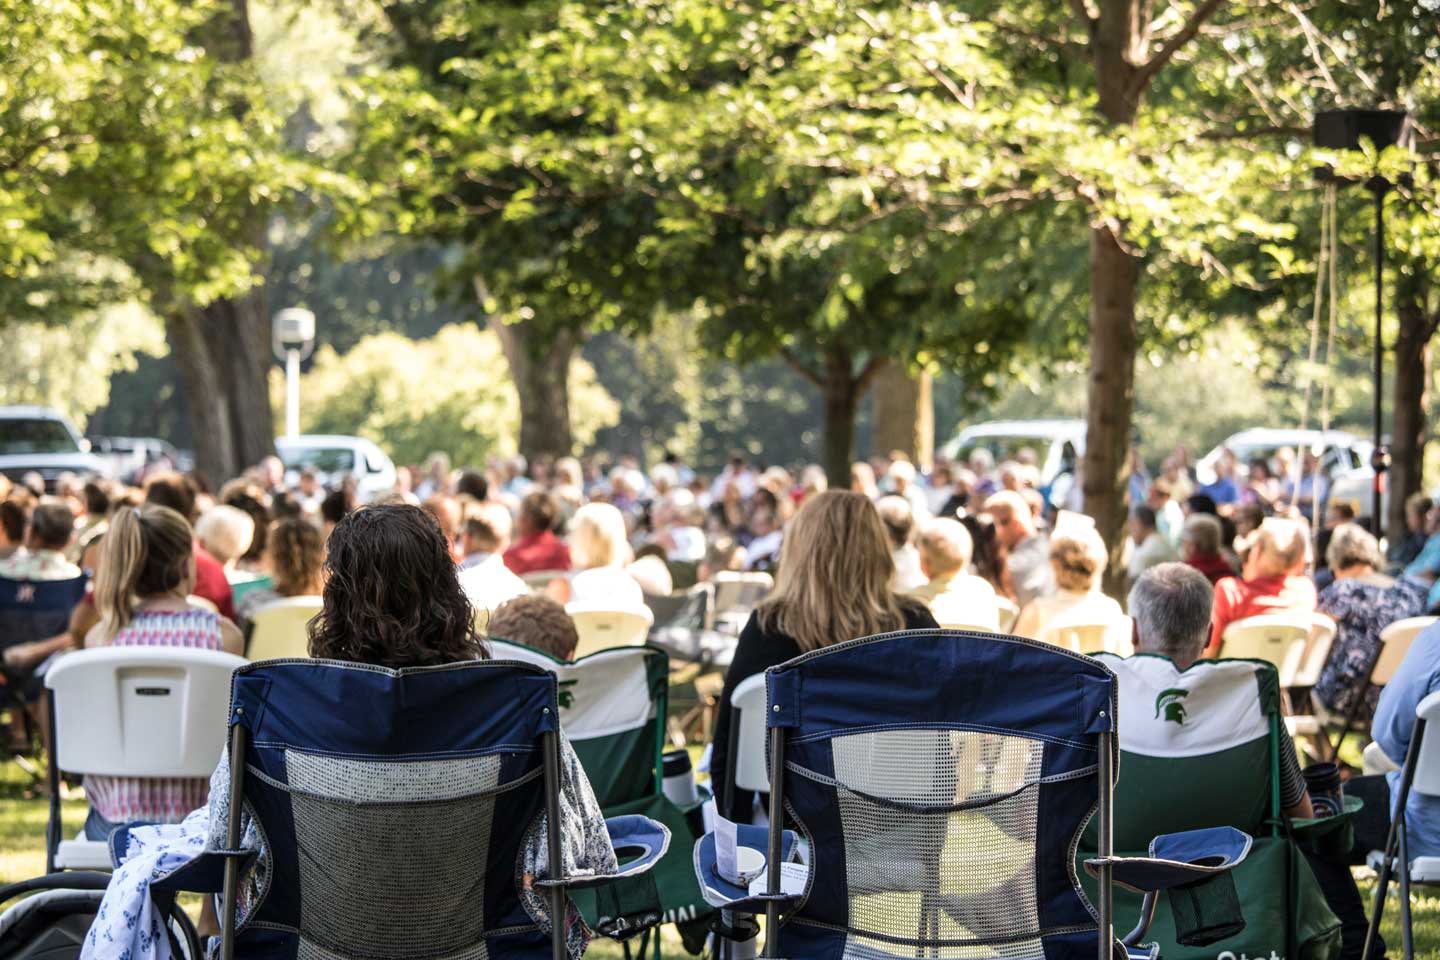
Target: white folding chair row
pixel 133 712
pixel 1113 636
pixel 1277 638
pixel 740 591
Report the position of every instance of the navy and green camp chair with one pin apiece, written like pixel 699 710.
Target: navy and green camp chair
pixel 1200 748
pixel 613 708
pixel 392 806
pixel 942 780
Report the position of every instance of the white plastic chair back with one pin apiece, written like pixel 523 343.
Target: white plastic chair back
pixel 603 629
pixel 1395 642
pixel 1303 664
pixel 1427 765
pixel 749 747
pixel 1087 638
pixel 1009 612
pixel 740 591
pixel 538 580
pixel 201 603
pixel 281 628
pixel 141 711
pixel 1269 637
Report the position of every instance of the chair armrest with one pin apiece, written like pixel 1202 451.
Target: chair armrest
pixel 1177 859
pixel 204 874
pixel 650 838
pixel 721 893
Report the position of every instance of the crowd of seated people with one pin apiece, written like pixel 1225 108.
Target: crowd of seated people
pixel 976 544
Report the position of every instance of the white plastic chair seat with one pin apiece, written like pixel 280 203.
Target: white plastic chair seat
pixel 1303 726
pixel 1087 638
pixel 1423 870
pixel 82 854
pixel 749 746
pixel 1375 761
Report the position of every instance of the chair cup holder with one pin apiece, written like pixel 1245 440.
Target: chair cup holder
pixel 1206 912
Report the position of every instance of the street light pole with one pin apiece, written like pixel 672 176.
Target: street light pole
pixel 292 335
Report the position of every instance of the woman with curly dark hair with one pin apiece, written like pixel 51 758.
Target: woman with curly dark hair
pixel 392 594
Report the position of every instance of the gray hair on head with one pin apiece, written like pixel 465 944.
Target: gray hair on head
pixel 1171 605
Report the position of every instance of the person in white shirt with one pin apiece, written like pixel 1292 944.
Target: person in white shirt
pixel 599 553
pixel 738 473
pixel 485 533
pixel 899 522
pixel 1149 548
pixel 902 484
pixel 955 598
pixel 1078 558
pixel 1169 518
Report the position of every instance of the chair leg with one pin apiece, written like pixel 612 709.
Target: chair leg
pixel 1407 932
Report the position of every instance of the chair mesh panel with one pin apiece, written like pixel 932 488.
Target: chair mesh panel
pixel 392 856
pixel 939 842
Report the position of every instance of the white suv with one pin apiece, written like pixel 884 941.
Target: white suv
pixel 42 440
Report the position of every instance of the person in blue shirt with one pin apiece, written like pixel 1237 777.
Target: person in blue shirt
pixel 1224 490
pixel 1426 569
pixel 1417 677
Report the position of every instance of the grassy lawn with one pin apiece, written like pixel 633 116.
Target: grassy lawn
pixel 22 854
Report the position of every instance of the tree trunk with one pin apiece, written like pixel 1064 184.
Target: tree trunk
pixel 540 367
pixel 1407 445
pixel 1116 43
pixel 222 349
pixel 205 402
pixel 841 393
pixel 1114 276
pixel 903 417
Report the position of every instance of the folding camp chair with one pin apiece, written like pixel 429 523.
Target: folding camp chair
pixel 131 712
pixel 393 807
pixel 602 629
pixel 1199 748
pixel 1420 774
pixel 280 630
pixel 942 779
pixel 613 706
pixel 32 610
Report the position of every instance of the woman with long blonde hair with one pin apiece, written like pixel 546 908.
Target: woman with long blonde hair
pixel 146 571
pixel 832 585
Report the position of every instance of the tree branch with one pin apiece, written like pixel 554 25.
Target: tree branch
pixel 1088 20
pixel 799 366
pixel 1184 35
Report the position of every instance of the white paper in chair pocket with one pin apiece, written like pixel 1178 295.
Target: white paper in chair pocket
pixel 793 877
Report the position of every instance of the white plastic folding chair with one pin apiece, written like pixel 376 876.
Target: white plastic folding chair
pixel 745 769
pixel 1420 774
pixel 132 712
pixel 1271 637
pixel 1087 638
pixel 1009 612
pixel 1298 676
pixel 281 629
pixel 539 580
pixel 1395 642
pixel 601 629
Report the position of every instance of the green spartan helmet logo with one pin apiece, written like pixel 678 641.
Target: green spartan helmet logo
pixel 1170 701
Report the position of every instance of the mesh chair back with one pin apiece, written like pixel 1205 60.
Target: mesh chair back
pixel 1395 642
pixel 943 779
pixel 33 610
pixel 606 629
pixel 281 629
pixel 1427 764
pixel 140 711
pixel 1270 638
pixel 393 806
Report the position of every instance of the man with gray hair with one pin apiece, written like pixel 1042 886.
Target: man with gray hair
pixel 1273 579
pixel 1170 605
